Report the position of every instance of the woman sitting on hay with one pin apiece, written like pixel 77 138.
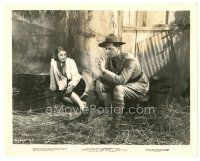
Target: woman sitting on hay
pixel 65 79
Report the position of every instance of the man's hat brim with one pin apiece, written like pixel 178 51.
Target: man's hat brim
pixel 103 44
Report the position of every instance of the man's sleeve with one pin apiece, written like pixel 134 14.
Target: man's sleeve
pixel 125 75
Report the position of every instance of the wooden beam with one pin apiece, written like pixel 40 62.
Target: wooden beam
pixel 167 17
pixel 155 28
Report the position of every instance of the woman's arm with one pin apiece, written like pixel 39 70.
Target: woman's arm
pixel 76 77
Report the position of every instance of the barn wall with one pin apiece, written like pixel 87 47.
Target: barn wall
pixel 35 39
pixel 33 43
pixel 180 36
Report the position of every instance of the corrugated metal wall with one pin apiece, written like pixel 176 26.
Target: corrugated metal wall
pixel 157 57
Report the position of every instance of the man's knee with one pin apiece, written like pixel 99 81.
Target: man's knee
pixel 119 92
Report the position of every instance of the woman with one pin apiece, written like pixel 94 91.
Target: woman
pixel 64 78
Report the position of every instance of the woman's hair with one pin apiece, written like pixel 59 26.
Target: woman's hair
pixel 56 52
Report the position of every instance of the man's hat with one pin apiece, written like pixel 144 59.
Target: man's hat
pixel 111 39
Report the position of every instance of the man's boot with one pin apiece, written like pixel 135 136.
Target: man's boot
pixel 117 114
pixel 116 121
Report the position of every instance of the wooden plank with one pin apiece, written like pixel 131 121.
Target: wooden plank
pixel 158 17
pixel 120 22
pixel 154 28
pixel 167 17
pixel 126 18
pixel 141 19
pixel 133 18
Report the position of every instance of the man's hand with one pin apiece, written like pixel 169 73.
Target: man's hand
pixel 69 89
pixel 101 64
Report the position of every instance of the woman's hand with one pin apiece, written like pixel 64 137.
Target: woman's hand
pixel 69 89
pixel 102 64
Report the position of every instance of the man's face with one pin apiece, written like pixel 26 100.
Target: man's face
pixel 62 55
pixel 111 50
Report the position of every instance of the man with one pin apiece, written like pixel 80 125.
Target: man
pixel 121 78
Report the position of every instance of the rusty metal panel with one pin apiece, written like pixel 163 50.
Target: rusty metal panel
pixel 157 57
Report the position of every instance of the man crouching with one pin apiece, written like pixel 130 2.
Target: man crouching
pixel 121 78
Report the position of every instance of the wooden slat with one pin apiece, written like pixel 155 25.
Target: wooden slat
pixel 126 18
pixel 120 22
pixel 155 28
pixel 133 18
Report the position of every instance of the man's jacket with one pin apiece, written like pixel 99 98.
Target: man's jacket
pixel 124 70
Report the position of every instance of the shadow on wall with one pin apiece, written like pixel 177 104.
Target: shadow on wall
pixel 34 47
pixel 35 35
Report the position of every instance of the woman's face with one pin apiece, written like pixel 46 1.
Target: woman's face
pixel 62 55
pixel 111 50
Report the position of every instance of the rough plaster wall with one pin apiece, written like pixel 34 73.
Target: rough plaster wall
pixel 86 32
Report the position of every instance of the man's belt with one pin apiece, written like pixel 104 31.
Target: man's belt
pixel 136 78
